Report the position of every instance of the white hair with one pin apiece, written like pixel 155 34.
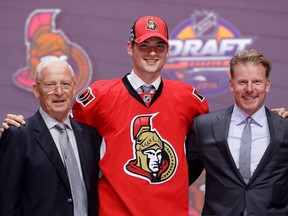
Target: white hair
pixel 46 61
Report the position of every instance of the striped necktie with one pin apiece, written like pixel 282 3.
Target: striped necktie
pixel 147 93
pixel 77 185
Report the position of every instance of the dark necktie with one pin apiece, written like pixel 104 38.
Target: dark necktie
pixel 147 93
pixel 245 151
pixel 77 185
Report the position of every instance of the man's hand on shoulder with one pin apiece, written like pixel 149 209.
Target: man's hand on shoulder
pixel 12 119
pixel 281 111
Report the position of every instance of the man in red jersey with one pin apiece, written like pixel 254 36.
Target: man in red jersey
pixel 141 131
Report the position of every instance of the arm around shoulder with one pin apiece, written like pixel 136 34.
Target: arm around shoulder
pixel 11 166
pixel 12 119
pixel 195 165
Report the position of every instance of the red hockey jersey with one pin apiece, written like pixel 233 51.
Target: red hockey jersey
pixel 144 167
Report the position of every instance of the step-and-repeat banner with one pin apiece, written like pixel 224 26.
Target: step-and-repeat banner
pixel 92 37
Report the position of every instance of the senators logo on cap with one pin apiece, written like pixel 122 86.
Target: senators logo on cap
pixel 147 27
pixel 151 25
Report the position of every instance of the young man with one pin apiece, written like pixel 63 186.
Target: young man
pixel 245 174
pixel 143 164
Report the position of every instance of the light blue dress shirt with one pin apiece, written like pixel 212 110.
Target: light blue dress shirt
pixel 260 135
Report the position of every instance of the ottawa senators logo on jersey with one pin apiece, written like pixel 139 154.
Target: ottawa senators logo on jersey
pixel 43 39
pixel 154 158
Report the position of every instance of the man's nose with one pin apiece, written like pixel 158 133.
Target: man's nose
pixel 58 89
pixel 249 86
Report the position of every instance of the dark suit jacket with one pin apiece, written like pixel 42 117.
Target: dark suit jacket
pixel 33 180
pixel 226 192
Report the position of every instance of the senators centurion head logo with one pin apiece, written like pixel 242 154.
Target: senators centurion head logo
pixel 151 25
pixel 43 39
pixel 154 158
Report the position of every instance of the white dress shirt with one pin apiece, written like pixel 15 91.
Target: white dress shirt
pixel 136 81
pixel 50 123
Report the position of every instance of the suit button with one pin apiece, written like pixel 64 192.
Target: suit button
pixel 69 200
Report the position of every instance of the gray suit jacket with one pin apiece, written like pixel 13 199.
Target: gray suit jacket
pixel 226 192
pixel 33 180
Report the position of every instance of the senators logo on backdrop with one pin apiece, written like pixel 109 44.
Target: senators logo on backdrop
pixel 200 49
pixel 43 39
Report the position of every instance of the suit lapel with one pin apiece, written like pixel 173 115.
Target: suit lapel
pixel 277 131
pixel 220 131
pixel 45 140
pixel 221 127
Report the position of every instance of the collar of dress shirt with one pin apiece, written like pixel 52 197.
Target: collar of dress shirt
pixel 239 116
pixel 50 121
pixel 136 81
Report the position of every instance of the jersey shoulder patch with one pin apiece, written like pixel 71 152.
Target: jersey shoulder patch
pixel 198 95
pixel 85 97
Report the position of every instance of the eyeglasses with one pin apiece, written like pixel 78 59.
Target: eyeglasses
pixel 51 86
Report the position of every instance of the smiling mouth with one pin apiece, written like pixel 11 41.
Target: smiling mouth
pixel 151 60
pixel 59 101
pixel 249 99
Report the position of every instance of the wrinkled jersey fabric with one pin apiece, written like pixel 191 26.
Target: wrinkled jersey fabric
pixel 116 110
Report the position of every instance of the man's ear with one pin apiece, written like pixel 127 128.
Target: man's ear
pixel 268 85
pixel 231 85
pixel 36 90
pixel 129 47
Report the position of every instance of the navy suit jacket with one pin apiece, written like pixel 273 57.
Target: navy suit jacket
pixel 226 193
pixel 33 180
